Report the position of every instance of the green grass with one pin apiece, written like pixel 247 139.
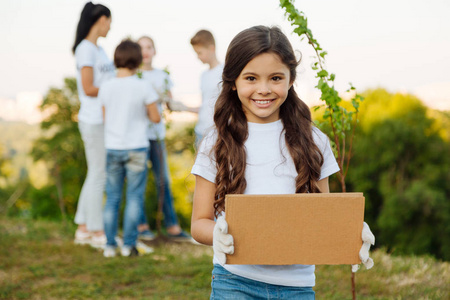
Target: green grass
pixel 38 260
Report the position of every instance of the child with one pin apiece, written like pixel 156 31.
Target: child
pixel 205 46
pixel 128 102
pixel 156 133
pixel 264 143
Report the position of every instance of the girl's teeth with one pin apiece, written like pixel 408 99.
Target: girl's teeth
pixel 262 101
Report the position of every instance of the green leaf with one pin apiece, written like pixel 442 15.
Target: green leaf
pixel 322 73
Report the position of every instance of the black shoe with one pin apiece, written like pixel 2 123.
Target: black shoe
pixel 127 251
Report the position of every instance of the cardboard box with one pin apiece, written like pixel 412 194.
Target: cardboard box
pixel 311 229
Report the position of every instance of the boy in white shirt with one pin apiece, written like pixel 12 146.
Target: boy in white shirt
pixel 128 104
pixel 205 46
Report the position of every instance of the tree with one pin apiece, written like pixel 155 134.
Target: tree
pixel 401 164
pixel 338 115
pixel 6 201
pixel 62 150
pixel 341 120
pixel 61 147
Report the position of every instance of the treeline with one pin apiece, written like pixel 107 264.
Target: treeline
pixel 61 149
pixel 400 161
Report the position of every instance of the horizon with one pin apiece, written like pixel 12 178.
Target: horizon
pixel 398 46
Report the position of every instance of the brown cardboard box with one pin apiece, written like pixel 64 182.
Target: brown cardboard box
pixel 312 229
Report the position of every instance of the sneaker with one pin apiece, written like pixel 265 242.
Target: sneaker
pixel 129 251
pixel 98 241
pixel 143 248
pixel 119 241
pixel 82 237
pixel 146 235
pixel 183 236
pixel 109 251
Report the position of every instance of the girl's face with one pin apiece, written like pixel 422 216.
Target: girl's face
pixel 148 51
pixel 104 25
pixel 262 87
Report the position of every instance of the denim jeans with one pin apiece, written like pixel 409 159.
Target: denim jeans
pixel 157 154
pixel 226 285
pixel 90 203
pixel 132 165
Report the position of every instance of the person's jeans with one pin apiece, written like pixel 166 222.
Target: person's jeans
pixel 132 165
pixel 226 285
pixel 157 154
pixel 90 203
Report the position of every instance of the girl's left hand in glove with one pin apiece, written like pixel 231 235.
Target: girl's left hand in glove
pixel 368 239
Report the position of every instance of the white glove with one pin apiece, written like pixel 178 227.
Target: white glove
pixel 163 98
pixel 222 241
pixel 368 239
pixel 176 105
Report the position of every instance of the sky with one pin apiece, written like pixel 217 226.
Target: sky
pixel 403 46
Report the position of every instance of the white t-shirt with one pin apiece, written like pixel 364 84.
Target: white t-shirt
pixel 89 55
pixel 161 82
pixel 270 170
pixel 211 85
pixel 126 120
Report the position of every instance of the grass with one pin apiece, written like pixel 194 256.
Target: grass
pixel 39 261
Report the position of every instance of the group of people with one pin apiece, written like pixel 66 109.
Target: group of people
pixel 257 138
pixel 122 128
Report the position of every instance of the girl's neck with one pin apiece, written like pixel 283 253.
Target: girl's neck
pixel 147 67
pixel 124 72
pixel 92 36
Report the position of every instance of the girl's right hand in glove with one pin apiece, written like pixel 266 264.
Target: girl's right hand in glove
pixel 222 241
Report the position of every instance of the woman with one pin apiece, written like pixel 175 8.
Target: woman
pixel 93 68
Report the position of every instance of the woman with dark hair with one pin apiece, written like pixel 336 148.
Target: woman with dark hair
pixel 93 68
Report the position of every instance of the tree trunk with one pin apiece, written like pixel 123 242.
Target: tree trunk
pixel 344 190
pixel 59 189
pixel 14 197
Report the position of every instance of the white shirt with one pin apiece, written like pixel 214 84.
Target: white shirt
pixel 161 83
pixel 126 120
pixel 211 85
pixel 89 55
pixel 270 170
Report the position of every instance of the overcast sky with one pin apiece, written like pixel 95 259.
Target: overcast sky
pixel 400 45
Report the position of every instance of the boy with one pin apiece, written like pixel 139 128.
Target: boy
pixel 205 46
pixel 128 104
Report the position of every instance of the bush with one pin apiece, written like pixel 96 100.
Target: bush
pixel 401 164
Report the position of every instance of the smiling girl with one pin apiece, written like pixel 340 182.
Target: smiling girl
pixel 264 143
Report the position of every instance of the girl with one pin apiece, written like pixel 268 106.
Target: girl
pixel 93 68
pixel 156 133
pixel 263 143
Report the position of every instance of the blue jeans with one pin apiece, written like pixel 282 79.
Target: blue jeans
pixel 157 154
pixel 132 165
pixel 226 285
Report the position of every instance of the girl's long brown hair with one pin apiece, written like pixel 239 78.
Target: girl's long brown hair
pixel 231 123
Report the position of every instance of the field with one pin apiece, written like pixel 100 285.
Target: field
pixel 38 260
